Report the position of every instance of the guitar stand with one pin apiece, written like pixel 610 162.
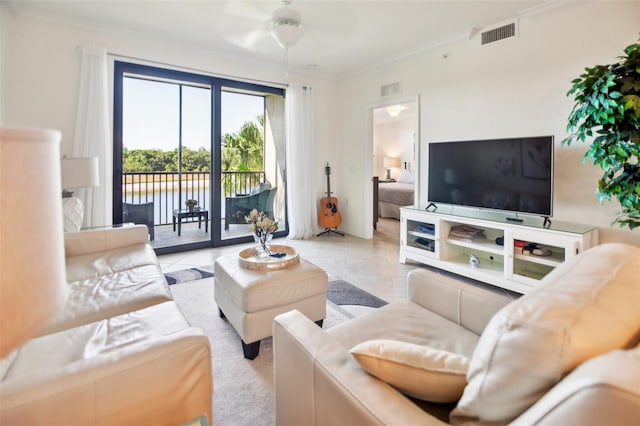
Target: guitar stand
pixel 329 231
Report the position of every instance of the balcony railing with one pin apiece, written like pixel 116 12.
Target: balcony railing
pixel 168 191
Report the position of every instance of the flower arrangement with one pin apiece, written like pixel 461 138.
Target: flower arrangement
pixel 262 228
pixel 191 204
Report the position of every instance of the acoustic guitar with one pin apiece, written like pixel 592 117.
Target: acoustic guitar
pixel 329 215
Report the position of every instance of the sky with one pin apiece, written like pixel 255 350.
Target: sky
pixel 151 114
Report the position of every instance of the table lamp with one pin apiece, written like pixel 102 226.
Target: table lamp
pixel 390 162
pixel 77 173
pixel 33 284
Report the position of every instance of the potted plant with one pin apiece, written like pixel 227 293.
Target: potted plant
pixel 608 107
pixel 191 204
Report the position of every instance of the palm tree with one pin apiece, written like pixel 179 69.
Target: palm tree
pixel 244 151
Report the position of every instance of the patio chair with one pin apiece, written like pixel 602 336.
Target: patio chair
pixel 140 214
pixel 236 208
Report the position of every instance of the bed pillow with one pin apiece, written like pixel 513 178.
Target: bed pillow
pixel 418 371
pixel 407 176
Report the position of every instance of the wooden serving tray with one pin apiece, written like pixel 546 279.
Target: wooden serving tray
pixel 248 259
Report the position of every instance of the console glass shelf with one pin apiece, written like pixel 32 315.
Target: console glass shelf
pixel 427 237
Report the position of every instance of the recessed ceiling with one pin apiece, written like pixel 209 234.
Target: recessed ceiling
pixel 339 36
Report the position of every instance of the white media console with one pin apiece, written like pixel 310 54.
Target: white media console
pixel 425 237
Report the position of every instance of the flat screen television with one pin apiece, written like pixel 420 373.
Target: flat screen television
pixel 512 175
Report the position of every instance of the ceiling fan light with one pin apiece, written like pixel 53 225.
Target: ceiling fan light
pixel 286 35
pixel 286 14
pixel 286 26
pixel 395 110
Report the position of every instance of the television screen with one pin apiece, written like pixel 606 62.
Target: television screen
pixel 514 174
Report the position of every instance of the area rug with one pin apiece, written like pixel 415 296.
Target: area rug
pixel 341 292
pixel 243 389
pixel 185 275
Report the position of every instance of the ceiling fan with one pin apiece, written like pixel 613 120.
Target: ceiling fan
pixel 255 25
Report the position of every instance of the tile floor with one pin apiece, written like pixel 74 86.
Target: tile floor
pixel 370 264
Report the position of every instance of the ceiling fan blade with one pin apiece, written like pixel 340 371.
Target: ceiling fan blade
pixel 246 24
pixel 324 22
pixel 256 11
pixel 254 40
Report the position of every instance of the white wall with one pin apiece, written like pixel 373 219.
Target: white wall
pixel 511 88
pixel 41 65
pixel 393 139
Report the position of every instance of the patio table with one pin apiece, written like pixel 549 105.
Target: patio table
pixel 184 214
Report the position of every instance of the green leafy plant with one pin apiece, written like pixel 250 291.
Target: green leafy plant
pixel 608 107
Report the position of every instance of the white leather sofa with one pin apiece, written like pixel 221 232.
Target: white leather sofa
pixel 566 353
pixel 120 352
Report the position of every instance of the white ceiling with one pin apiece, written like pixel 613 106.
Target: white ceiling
pixel 340 36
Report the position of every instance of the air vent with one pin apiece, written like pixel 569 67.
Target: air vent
pixel 390 89
pixel 500 33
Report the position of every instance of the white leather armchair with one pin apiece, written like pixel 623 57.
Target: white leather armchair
pixel 565 353
pixel 144 367
pixel 120 352
pixel 318 382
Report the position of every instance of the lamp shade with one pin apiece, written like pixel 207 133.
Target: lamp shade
pixel 390 162
pixel 80 172
pixel 32 275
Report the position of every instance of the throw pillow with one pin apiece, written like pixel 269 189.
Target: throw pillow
pixel 584 308
pixel 260 187
pixel 265 185
pixel 418 371
pixel 407 176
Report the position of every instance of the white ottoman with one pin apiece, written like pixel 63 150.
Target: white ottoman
pixel 250 300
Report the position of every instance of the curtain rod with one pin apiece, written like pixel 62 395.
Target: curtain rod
pixel 208 73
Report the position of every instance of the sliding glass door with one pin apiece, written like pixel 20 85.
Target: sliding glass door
pixel 252 153
pixel 190 153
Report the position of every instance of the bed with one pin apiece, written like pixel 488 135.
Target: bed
pixel 390 196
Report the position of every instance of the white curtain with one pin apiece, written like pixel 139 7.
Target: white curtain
pixel 92 136
pixel 301 189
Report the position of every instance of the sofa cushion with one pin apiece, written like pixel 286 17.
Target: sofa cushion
pixel 584 308
pixel 6 362
pixel 107 262
pixel 418 371
pixel 142 367
pixel 611 380
pixel 109 283
pixel 260 187
pixel 409 322
pixel 104 239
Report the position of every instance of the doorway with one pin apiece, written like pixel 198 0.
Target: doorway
pixel 395 171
